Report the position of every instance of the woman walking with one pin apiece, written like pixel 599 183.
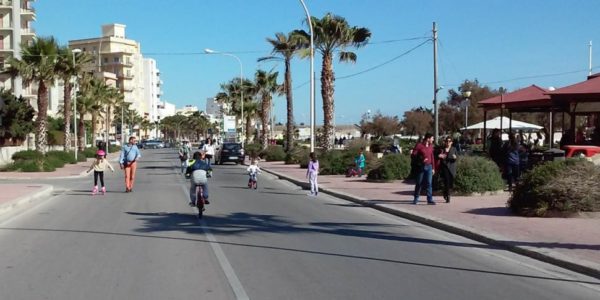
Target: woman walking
pixel 312 173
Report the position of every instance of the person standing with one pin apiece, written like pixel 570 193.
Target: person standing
pixel 496 153
pixel 447 160
pixel 209 150
pixel 360 162
pixel 128 162
pixel 513 161
pixel 423 154
pixel 312 173
pixel 184 155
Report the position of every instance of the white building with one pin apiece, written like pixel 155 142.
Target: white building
pixel 152 91
pixel 16 18
pixel 187 110
pixel 114 53
pixel 166 109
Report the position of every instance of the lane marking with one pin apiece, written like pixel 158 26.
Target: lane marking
pixel 232 278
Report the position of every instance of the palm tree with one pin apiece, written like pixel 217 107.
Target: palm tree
pixel 266 85
pixel 287 47
pixel 38 64
pixel 69 65
pixel 332 34
pixel 89 101
pixel 113 99
pixel 230 94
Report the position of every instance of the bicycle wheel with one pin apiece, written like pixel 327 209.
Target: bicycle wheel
pixel 200 201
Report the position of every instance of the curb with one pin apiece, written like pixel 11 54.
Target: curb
pixel 45 191
pixel 548 257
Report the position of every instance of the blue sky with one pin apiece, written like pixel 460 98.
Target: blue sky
pixel 494 41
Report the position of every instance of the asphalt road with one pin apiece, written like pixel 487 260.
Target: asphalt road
pixel 272 243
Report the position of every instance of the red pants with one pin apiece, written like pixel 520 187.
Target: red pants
pixel 130 175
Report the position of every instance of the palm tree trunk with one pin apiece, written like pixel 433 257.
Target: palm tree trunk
pixel 67 114
pixel 41 141
pixel 94 126
pixel 289 133
pixel 327 89
pixel 248 127
pixel 264 119
pixel 81 132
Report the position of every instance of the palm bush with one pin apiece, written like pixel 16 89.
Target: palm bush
pixel 477 175
pixel 391 167
pixel 274 153
pixel 568 186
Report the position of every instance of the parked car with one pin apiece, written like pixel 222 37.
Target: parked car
pixel 580 150
pixel 153 144
pixel 229 152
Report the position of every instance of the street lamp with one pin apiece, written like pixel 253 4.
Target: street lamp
pixel 75 105
pixel 466 94
pixel 210 51
pixel 312 78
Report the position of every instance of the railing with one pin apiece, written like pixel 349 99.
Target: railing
pixel 5 2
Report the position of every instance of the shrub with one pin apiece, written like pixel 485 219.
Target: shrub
pixel 391 167
pixel 67 157
pixel 298 155
pixel 380 145
pixel 88 152
pixel 477 175
pixel 29 166
pixel 252 150
pixel 27 155
pixel 333 162
pixel 567 186
pixel 274 153
pixel 113 148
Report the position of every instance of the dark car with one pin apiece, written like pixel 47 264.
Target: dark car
pixel 229 152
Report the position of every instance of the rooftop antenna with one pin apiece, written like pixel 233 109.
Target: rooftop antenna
pixel 590 65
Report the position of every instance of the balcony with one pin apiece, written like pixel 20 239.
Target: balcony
pixel 28 13
pixel 28 31
pixel 5 5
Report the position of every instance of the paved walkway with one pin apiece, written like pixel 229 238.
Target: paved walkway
pixel 570 242
pixel 573 243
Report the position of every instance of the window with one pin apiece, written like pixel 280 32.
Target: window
pixel 116 59
pixel 106 61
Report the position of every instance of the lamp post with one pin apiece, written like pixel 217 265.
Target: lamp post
pixel 312 78
pixel 210 51
pixel 466 94
pixel 75 105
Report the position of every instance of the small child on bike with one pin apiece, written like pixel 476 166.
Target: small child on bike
pixel 198 177
pixel 253 170
pixel 99 165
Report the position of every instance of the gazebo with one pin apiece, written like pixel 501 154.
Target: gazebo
pixel 529 99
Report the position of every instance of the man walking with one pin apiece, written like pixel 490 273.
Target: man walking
pixel 423 154
pixel 128 162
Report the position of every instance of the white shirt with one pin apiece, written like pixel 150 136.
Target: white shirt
pixel 209 149
pixel 253 169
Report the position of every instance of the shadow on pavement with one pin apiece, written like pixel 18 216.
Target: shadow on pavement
pixel 499 211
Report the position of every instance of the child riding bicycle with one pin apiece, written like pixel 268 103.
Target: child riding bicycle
pixel 253 171
pixel 198 171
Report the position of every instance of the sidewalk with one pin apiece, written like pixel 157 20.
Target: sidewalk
pixel 572 243
pixel 13 195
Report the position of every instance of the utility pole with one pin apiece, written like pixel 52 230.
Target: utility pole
pixel 435 85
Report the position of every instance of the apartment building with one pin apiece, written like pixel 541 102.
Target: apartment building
pixel 16 18
pixel 114 53
pixel 152 91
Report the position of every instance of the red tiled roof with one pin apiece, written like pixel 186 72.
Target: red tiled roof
pixel 533 93
pixel 590 86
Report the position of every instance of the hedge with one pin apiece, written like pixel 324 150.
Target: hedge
pixel 391 167
pixel 477 175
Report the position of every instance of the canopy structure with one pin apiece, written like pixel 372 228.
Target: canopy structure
pixel 504 123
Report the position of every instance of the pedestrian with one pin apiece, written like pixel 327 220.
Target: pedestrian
pixel 128 162
pixel 99 165
pixel 359 161
pixel 513 161
pixel 447 159
pixel 423 154
pixel 184 155
pixel 312 173
pixel 496 153
pixel 209 149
